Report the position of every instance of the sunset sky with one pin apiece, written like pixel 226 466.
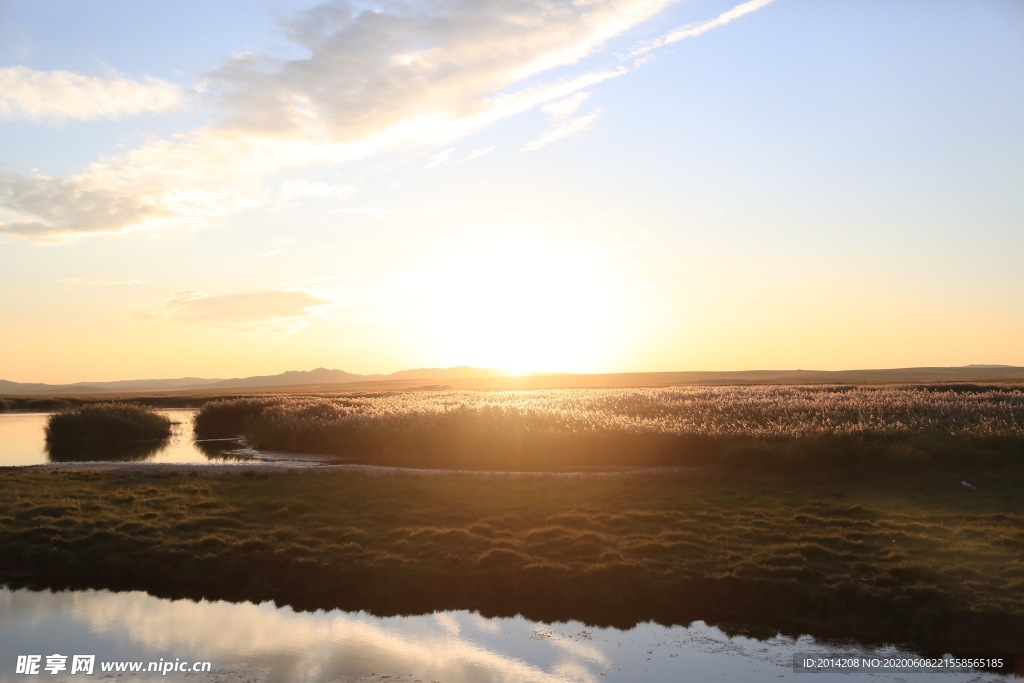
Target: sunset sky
pixel 244 187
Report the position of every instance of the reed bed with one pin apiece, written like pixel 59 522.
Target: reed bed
pixel 776 427
pixel 105 430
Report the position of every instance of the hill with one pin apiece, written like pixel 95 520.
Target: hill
pixel 323 379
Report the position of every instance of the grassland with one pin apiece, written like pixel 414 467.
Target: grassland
pixel 831 510
pixel 917 560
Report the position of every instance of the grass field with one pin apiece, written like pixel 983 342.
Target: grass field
pixel 919 561
pixel 837 511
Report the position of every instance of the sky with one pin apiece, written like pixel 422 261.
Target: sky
pixel 244 187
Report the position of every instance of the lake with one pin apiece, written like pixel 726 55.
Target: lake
pixel 249 642
pixel 23 442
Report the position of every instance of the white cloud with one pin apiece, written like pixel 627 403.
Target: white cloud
pixel 304 189
pixel 441 158
pixel 405 64
pixel 559 111
pixel 52 207
pixel 567 106
pixel 179 183
pixel 476 154
pixel 249 309
pixel 59 95
pixel 277 247
pixel 378 211
pixel 702 27
pixel 95 281
pixel 564 130
pixel 417 74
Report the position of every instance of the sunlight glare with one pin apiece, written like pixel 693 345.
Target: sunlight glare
pixel 528 301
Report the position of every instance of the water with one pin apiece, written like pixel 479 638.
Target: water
pixel 23 441
pixel 264 643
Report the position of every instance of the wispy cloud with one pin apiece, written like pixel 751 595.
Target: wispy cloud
pixel 422 66
pixel 277 247
pixel 476 154
pixel 421 75
pixel 249 309
pixel 441 158
pixel 567 106
pixel 60 95
pixel 304 189
pixel 559 112
pixel 376 211
pixel 702 27
pixel 95 281
pixel 564 130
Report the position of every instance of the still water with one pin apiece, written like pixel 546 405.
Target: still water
pixel 23 442
pixel 264 643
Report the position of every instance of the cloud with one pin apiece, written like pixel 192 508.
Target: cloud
pixel 419 65
pixel 567 106
pixel 303 189
pixel 476 154
pixel 249 309
pixel 441 158
pixel 277 247
pixel 378 211
pixel 87 280
pixel 404 74
pixel 180 183
pixel 60 95
pixel 702 27
pixel 57 206
pixel 559 112
pixel 564 130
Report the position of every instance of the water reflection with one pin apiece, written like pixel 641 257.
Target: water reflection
pixel 23 442
pixel 128 451
pixel 247 642
pixel 228 450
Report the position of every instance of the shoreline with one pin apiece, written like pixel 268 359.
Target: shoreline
pixel 271 466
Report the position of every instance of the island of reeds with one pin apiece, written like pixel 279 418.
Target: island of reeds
pixel 99 431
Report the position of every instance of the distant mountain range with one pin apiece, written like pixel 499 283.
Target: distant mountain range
pixel 291 378
pixel 483 378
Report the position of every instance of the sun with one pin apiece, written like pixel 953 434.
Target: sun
pixel 527 301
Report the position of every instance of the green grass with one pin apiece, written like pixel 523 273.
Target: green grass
pixel 916 560
pixel 105 430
